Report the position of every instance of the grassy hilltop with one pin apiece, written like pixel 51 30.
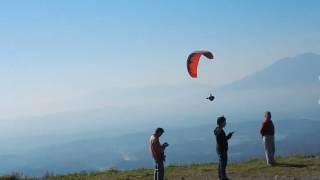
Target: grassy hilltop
pixel 289 168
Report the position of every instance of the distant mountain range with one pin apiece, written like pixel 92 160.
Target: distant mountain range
pixel 296 71
pixel 290 87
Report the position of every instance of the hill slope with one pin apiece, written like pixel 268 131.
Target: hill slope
pixel 288 168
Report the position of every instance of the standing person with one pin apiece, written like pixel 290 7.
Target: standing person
pixel 157 152
pixel 267 133
pixel 222 146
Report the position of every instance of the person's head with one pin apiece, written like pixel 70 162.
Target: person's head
pixel 159 131
pixel 221 121
pixel 267 115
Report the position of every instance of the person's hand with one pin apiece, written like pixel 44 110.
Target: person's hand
pixel 230 134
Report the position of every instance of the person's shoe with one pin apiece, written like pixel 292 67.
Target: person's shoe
pixel 226 178
pixel 272 164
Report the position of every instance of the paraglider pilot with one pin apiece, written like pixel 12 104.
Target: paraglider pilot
pixel 210 98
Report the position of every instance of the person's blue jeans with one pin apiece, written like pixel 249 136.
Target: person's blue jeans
pixel 223 160
pixel 159 170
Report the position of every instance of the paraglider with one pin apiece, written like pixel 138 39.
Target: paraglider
pixel 193 60
pixel 192 64
pixel 210 98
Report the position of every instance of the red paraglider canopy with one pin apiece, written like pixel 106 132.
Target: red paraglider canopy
pixel 193 60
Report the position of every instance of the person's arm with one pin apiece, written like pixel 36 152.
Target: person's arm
pixel 158 147
pixel 263 129
pixel 229 135
pixel 272 128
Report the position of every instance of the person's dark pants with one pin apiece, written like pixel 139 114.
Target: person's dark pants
pixel 159 170
pixel 223 160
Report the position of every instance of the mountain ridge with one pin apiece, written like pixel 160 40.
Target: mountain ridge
pixel 292 69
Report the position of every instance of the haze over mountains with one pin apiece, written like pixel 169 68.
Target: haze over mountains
pixel 295 71
pixel 290 88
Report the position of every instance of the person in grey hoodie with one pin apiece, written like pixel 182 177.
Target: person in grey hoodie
pixel 222 146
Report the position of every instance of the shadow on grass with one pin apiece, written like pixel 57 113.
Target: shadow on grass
pixel 291 165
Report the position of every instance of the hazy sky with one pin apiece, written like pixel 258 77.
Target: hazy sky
pixel 60 56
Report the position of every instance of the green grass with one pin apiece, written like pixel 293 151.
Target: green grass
pixel 291 168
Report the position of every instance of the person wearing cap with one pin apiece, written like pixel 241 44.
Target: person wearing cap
pixel 222 147
pixel 267 133
pixel 157 151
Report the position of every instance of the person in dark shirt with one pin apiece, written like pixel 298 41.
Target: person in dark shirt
pixel 222 146
pixel 267 133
